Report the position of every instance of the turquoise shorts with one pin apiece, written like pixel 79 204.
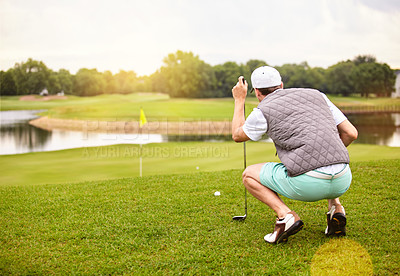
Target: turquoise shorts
pixel 305 187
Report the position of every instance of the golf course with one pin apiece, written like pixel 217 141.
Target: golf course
pixel 87 211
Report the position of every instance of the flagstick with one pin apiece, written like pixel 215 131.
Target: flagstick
pixel 140 159
pixel 140 152
pixel 142 121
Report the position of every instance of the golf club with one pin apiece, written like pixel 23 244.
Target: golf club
pixel 245 190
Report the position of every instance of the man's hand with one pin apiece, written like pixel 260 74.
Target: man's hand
pixel 239 91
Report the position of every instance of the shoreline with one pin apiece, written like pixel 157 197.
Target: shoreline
pixel 166 127
pixel 132 127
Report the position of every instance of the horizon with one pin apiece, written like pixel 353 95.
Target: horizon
pixel 116 72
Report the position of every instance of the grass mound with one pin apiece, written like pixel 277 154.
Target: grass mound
pixel 170 224
pixel 121 161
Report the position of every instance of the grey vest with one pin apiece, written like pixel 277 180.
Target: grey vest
pixel 303 129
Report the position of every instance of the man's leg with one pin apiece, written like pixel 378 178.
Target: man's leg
pixel 288 222
pixel 336 219
pixel 251 180
pixel 334 202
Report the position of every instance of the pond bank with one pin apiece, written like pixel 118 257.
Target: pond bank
pixel 347 109
pixel 132 127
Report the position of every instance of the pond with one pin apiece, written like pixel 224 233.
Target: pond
pixel 377 128
pixel 17 136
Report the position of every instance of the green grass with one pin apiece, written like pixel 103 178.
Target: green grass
pixel 358 104
pixel 85 211
pixel 111 162
pixel 356 100
pixel 13 103
pixel 159 107
pixel 173 224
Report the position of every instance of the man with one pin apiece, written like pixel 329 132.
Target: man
pixel 310 135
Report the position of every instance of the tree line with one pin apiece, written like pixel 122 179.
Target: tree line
pixel 184 74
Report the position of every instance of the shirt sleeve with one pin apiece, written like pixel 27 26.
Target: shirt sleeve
pixel 338 115
pixel 255 125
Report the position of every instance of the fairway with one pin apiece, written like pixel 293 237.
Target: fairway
pixel 119 161
pixel 174 224
pixel 118 107
pixel 160 107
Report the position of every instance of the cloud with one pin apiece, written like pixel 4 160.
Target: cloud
pixel 386 6
pixel 137 35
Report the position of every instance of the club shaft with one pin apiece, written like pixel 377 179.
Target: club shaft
pixel 245 165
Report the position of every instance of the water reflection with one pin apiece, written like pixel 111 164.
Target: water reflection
pixel 17 136
pixel 377 128
pixel 22 138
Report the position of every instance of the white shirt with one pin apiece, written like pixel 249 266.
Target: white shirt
pixel 256 126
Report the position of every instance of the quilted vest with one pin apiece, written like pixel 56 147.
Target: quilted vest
pixel 303 129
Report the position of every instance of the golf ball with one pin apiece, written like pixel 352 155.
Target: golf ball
pixel 217 193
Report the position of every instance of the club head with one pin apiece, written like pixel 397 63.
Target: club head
pixel 239 217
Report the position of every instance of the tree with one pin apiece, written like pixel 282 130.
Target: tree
pixel 288 72
pixel 253 64
pixel 126 81
pixel 294 75
pixel 158 82
pixel 185 75
pixel 226 76
pixel 7 83
pixel 338 78
pixel 316 78
pixel 53 83
pixel 30 77
pixel 143 84
pixel 389 80
pixel 364 59
pixel 111 85
pixel 61 81
pixel 89 82
pixel 66 81
pixel 373 78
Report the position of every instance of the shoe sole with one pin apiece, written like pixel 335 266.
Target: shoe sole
pixel 338 225
pixel 296 227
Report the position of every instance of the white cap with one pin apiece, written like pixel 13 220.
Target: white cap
pixel 265 76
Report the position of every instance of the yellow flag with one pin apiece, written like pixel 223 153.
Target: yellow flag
pixel 142 118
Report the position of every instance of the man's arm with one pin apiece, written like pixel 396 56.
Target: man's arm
pixel 348 133
pixel 239 92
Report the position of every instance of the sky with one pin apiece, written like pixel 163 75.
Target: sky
pixel 137 35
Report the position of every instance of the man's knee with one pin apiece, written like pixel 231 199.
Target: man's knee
pixel 251 172
pixel 245 174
